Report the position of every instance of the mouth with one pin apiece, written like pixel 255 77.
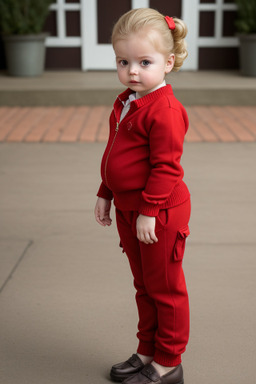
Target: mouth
pixel 134 82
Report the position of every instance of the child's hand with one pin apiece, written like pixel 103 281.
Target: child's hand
pixel 146 229
pixel 102 211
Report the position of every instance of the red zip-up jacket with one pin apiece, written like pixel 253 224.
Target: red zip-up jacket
pixel 140 167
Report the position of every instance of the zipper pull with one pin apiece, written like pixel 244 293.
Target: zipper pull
pixel 117 126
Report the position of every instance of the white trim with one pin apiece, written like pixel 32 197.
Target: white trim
pixel 94 55
pixel 140 4
pixel 218 20
pixel 216 42
pixel 61 24
pixel 213 7
pixel 66 42
pixel 191 17
pixel 66 6
pixel 89 37
pixel 83 35
pixel 62 40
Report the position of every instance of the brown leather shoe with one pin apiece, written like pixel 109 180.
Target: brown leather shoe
pixel 128 368
pixel 150 375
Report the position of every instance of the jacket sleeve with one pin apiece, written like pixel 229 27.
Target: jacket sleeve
pixel 105 192
pixel 166 139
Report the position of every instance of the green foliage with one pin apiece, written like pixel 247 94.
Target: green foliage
pixel 22 17
pixel 246 19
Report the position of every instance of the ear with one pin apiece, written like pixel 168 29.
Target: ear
pixel 170 63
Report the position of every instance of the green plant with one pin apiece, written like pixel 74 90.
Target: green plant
pixel 246 16
pixel 22 17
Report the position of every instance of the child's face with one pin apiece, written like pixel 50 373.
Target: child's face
pixel 139 65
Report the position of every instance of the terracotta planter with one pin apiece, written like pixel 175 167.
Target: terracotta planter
pixel 25 54
pixel 248 54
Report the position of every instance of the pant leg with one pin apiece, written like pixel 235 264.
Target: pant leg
pixel 164 282
pixel 161 296
pixel 147 326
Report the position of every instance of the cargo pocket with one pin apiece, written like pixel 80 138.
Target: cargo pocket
pixel 180 242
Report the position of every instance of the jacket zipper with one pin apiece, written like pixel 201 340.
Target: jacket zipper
pixel 106 163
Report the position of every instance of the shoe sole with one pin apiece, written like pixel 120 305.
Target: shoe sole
pixel 120 378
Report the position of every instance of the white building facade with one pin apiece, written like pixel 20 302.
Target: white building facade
pixel 80 32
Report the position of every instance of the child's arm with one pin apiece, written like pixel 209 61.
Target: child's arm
pixel 102 211
pixel 145 226
pixel 166 139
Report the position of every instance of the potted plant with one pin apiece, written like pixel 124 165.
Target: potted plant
pixel 246 27
pixel 21 24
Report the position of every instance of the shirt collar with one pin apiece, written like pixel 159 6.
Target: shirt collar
pixel 131 98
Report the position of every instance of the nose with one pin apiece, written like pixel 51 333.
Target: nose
pixel 133 69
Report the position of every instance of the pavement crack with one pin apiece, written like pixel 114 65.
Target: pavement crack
pixel 9 277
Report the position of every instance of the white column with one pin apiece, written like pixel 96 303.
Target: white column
pixel 190 14
pixel 88 30
pixel 94 55
pixel 61 22
pixel 218 20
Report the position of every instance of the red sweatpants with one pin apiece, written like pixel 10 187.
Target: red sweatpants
pixel 161 293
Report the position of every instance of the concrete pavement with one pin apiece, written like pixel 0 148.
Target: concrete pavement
pixel 67 310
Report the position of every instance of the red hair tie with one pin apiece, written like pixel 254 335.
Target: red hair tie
pixel 169 20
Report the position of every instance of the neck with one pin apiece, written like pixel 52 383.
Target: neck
pixel 163 84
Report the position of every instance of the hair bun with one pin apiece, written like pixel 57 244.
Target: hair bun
pixel 180 45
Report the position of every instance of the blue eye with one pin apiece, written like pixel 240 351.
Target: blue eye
pixel 145 63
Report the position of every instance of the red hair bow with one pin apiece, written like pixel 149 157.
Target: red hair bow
pixel 169 20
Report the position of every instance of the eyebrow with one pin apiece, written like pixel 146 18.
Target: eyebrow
pixel 146 56
pixel 140 57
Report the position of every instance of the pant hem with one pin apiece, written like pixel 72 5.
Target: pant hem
pixel 166 359
pixel 146 349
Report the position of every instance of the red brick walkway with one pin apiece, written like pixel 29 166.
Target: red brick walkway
pixel 90 124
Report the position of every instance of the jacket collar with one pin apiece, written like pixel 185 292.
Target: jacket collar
pixel 166 90
pixel 138 103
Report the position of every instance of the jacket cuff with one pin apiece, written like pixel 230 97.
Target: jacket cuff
pixel 148 209
pixel 105 192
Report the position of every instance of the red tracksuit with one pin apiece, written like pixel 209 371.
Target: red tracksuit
pixel 141 170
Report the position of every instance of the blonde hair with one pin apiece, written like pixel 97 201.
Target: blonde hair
pixel 173 41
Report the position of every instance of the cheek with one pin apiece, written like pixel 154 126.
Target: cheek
pixel 150 76
pixel 121 74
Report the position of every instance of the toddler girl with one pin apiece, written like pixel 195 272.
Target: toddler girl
pixel 141 171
